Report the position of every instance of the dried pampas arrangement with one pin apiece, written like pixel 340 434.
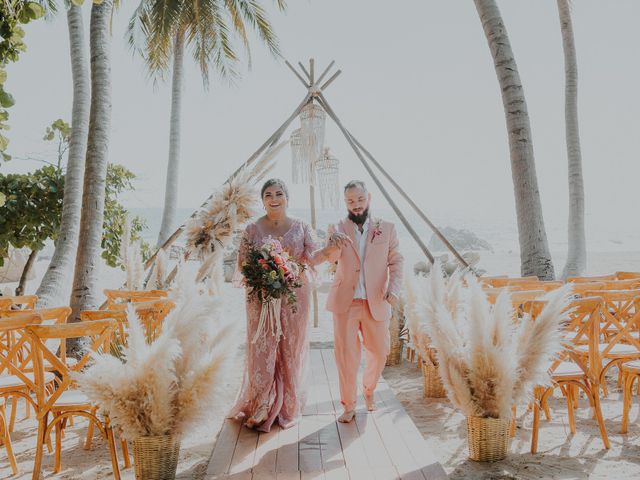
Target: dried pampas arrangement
pixel 158 280
pixel 169 385
pixel 487 361
pixel 213 227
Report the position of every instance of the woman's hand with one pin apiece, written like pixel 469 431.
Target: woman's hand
pixel 339 239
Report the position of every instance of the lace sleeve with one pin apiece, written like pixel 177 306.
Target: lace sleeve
pixel 312 252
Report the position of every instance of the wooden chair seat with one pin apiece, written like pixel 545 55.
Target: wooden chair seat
pixel 565 370
pixel 72 399
pixel 12 382
pixel 632 366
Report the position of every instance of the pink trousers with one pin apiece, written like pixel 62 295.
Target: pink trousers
pixel 348 327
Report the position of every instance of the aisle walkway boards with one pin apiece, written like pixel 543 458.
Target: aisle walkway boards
pixel 383 445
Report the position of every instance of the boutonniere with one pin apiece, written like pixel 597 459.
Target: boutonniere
pixel 376 230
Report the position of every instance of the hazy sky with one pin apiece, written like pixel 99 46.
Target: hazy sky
pixel 418 89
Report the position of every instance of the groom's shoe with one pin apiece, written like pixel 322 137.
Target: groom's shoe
pixel 370 402
pixel 347 416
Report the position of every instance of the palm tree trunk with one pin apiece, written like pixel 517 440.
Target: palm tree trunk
pixel 55 287
pixel 25 272
pixel 534 250
pixel 577 253
pixel 171 189
pixel 84 294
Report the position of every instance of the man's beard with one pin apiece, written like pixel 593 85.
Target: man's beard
pixel 360 218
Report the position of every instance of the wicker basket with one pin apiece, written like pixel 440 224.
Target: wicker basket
pixel 433 387
pixel 156 458
pixel 488 438
pixel 396 325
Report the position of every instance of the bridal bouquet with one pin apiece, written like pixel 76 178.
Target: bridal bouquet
pixel 271 276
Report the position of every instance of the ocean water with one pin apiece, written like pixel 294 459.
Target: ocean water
pixel 609 249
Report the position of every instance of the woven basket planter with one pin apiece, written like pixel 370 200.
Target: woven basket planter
pixel 397 342
pixel 395 353
pixel 488 438
pixel 433 387
pixel 156 457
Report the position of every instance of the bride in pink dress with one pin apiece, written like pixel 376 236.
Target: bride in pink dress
pixel 274 386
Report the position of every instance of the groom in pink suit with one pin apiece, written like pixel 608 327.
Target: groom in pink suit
pixel 365 290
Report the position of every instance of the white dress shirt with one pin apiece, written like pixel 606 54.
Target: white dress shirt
pixel 361 242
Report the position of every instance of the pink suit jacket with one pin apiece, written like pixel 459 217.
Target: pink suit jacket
pixel 382 267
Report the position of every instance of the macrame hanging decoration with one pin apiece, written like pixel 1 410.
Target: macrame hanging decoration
pixel 301 169
pixel 312 131
pixel 327 169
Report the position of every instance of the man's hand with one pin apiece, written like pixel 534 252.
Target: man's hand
pixel 391 298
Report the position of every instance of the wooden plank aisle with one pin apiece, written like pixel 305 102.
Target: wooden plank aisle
pixel 383 445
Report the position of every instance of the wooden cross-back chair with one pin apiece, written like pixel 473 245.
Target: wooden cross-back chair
pixel 630 284
pixel 117 297
pixel 66 401
pixel 628 275
pixel 546 286
pixel 618 331
pixel 518 298
pixel 5 303
pixel 569 371
pixel 591 279
pixel 56 315
pixel 579 289
pixel 498 282
pixel 151 314
pixel 23 302
pixel 16 375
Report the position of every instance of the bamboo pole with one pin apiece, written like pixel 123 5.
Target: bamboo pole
pixel 306 72
pixel 326 70
pixel 295 72
pixel 410 201
pixel 312 70
pixel 328 82
pixel 358 153
pixel 314 226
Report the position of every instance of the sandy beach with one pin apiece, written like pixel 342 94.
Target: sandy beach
pixel 561 454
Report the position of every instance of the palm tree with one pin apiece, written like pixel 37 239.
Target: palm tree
pixel 83 295
pixel 534 249
pixel 160 30
pixel 55 287
pixel 577 254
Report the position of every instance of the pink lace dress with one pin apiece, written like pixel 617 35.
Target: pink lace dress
pixel 276 368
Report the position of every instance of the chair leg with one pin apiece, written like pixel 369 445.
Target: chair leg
pixel 6 439
pixel 14 410
pixel 547 412
pixel 37 464
pixel 47 438
pixel 626 405
pixel 535 427
pixel 57 465
pixel 601 426
pixel 114 454
pixel 512 425
pixel 568 391
pixel 87 443
pixel 124 446
pixel 605 390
